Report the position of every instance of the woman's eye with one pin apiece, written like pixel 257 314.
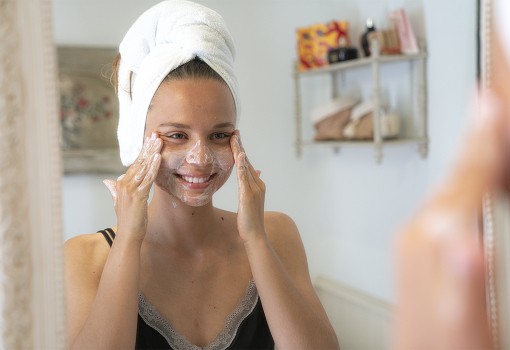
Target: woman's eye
pixel 220 136
pixel 176 136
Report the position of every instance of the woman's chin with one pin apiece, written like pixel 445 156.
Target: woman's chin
pixel 198 201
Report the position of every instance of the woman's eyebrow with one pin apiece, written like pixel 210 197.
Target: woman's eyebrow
pixel 224 125
pixel 176 125
pixel 185 126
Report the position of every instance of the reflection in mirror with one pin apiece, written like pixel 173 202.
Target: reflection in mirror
pixel 89 110
pixel 347 206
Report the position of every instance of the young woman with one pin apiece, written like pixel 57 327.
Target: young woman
pixel 179 273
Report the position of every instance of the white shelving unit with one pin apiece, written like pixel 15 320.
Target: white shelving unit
pixel 374 62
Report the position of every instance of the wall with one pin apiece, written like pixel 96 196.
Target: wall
pixel 347 206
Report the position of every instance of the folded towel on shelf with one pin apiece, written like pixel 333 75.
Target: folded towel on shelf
pixel 163 38
pixel 330 119
pixel 361 123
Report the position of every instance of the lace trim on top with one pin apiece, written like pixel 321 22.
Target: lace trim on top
pixel 179 342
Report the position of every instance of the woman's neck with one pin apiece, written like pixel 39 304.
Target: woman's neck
pixel 178 225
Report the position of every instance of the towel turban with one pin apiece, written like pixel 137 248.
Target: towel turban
pixel 163 38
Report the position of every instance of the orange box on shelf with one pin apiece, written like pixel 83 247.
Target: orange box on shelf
pixel 328 36
pixel 314 42
pixel 305 48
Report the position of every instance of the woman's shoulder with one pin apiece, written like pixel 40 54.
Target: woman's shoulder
pixel 278 218
pixel 87 242
pixel 281 230
pixel 283 234
pixel 278 223
pixel 86 252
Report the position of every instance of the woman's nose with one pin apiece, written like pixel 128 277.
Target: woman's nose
pixel 199 154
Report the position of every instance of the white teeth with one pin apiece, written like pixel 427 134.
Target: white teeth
pixel 195 180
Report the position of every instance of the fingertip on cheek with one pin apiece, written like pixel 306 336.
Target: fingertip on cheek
pixel 242 159
pixel 235 141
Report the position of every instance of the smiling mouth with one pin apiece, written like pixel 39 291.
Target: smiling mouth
pixel 196 179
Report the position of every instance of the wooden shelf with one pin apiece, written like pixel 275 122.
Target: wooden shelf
pixel 373 62
pixel 360 62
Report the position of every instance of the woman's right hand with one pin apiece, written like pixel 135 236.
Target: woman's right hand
pixel 131 191
pixel 440 261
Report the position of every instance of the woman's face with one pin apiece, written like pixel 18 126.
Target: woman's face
pixel 195 119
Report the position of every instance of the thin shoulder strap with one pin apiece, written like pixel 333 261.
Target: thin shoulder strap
pixel 109 235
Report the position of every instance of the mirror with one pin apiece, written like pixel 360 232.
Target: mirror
pixel 495 206
pixel 31 292
pixel 346 206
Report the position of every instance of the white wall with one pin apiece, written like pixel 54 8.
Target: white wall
pixel 346 206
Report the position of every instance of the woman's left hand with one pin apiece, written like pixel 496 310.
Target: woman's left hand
pixel 250 215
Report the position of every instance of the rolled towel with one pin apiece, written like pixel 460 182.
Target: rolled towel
pixel 361 124
pixel 163 38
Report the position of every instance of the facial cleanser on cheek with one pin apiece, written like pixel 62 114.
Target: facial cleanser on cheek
pixel 197 160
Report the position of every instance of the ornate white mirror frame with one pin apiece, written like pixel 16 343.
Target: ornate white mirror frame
pixel 496 209
pixel 31 278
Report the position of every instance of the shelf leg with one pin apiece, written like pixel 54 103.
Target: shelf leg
pixel 376 92
pixel 334 85
pixel 422 107
pixel 378 154
pixel 423 149
pixel 298 114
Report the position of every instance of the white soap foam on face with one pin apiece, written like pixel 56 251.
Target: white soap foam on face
pixel 199 154
pixel 200 163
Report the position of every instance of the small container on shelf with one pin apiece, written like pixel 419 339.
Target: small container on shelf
pixel 342 54
pixel 365 42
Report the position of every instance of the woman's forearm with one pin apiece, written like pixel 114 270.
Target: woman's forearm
pixel 293 322
pixel 112 321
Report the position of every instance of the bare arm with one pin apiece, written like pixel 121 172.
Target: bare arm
pixel 295 315
pixel 277 259
pixel 103 302
pixel 102 310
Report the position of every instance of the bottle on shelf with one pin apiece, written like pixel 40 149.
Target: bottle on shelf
pixel 365 44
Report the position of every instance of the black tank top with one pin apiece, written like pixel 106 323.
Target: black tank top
pixel 246 326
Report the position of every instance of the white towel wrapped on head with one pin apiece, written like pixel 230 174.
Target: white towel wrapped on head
pixel 163 38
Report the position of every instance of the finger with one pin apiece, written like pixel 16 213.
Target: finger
pixel 238 148
pixel 235 145
pixel 148 148
pixel 247 176
pixel 479 166
pixel 254 175
pixel 242 171
pixel 112 187
pixel 139 169
pixel 151 173
pixel 239 157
